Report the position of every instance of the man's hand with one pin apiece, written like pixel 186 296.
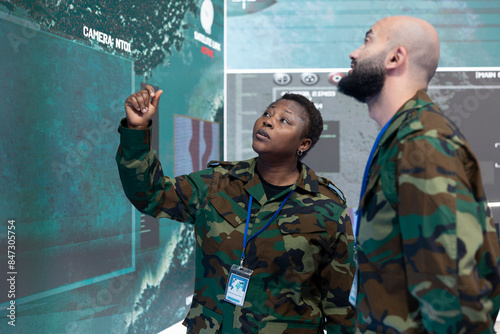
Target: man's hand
pixel 141 106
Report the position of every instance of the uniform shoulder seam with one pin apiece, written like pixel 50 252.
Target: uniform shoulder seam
pixel 333 188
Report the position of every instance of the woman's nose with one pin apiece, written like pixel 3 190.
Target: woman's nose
pixel 268 122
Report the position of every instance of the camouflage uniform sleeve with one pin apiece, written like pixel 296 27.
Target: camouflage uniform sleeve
pixel 427 202
pixel 145 185
pixel 337 276
pixel 442 226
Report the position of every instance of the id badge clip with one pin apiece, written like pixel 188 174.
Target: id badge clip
pixel 237 286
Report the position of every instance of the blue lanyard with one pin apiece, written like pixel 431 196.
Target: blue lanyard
pixel 365 175
pixel 245 241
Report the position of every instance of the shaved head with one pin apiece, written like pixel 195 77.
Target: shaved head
pixel 418 37
pixel 399 57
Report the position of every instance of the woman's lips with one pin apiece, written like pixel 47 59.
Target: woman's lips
pixel 262 135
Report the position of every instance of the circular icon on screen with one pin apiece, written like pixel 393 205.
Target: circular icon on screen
pixel 282 79
pixel 309 78
pixel 334 78
pixel 207 16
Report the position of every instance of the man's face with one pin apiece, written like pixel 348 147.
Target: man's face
pixel 367 77
pixel 365 80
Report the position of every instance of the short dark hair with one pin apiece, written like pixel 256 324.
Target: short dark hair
pixel 315 121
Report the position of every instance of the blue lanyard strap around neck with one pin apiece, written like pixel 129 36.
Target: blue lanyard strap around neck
pixel 245 241
pixel 365 175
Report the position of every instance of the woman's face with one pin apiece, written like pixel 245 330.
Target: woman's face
pixel 279 131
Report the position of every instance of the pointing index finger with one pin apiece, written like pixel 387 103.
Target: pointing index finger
pixel 150 90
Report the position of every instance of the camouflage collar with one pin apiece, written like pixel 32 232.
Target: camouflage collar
pixel 419 100
pixel 399 126
pixel 245 171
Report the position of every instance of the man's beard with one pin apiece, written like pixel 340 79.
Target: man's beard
pixel 366 79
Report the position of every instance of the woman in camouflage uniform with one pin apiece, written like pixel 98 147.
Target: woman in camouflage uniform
pixel 273 238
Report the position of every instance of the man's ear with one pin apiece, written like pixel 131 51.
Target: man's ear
pixel 396 57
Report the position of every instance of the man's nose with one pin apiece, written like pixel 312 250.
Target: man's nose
pixel 355 54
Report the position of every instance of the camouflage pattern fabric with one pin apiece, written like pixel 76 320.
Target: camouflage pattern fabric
pixel 302 263
pixel 427 248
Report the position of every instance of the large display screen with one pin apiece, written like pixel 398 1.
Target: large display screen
pixel 60 182
pixel 469 96
pixel 75 256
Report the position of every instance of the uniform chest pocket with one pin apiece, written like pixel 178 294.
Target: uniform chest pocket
pixel 212 230
pixel 305 242
pixel 219 219
pixel 212 234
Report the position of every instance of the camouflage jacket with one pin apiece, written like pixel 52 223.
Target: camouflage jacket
pixel 427 248
pixel 302 263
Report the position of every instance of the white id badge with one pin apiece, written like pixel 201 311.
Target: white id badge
pixel 237 286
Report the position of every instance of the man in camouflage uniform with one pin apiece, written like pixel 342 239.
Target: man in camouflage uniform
pixel 302 262
pixel 426 246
